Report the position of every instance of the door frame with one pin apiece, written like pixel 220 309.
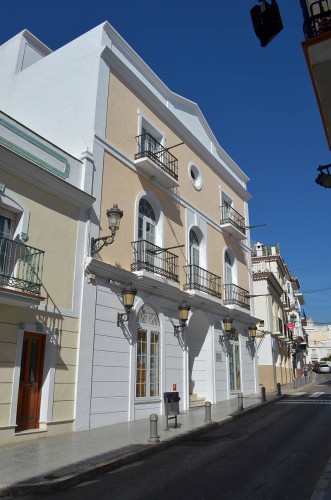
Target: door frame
pixel 39 375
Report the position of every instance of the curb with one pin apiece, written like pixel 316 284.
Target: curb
pixel 89 472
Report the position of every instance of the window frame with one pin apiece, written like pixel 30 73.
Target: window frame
pixel 149 330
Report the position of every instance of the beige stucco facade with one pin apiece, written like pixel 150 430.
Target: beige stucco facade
pixel 41 220
pixel 123 185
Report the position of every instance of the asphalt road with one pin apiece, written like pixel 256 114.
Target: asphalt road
pixel 277 452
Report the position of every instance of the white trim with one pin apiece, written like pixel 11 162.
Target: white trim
pixel 144 121
pixel 13 203
pixel 198 183
pixel 47 389
pixel 159 216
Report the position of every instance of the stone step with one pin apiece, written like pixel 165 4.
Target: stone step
pixel 194 404
pixel 196 400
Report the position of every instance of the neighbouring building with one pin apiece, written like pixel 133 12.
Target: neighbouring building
pixel 43 216
pixel 182 241
pixel 319 340
pixel 281 340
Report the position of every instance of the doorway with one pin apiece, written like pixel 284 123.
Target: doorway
pixel 30 385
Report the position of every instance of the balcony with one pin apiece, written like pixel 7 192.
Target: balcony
pixel 198 278
pixel 318 23
pixel 235 295
pixel 156 161
pixel 277 326
pixel 261 267
pixel 154 259
pixel 285 302
pixel 266 251
pixel 21 269
pixel 317 31
pixel 232 223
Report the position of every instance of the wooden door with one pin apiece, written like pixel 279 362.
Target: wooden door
pixel 29 394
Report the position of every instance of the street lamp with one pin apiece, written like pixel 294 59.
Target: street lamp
pixel 227 322
pixel 324 179
pixel 227 325
pixel 114 215
pixel 129 294
pixel 267 22
pixel 184 309
pixel 252 334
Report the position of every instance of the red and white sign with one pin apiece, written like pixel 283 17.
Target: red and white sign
pixel 174 387
pixel 290 326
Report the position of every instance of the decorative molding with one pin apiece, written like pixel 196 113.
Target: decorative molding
pixel 43 179
pixel 31 157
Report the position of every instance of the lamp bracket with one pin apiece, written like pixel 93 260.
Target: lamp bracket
pixel 95 243
pixel 121 317
pixel 225 337
pixel 179 328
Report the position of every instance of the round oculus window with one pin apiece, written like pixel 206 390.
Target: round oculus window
pixel 195 176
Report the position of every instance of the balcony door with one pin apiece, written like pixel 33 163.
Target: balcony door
pixel 6 226
pixel 194 258
pixel 146 233
pixel 29 394
pixel 228 276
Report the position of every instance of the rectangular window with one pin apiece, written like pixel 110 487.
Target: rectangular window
pixel 154 365
pixel 6 219
pixel 141 363
pixel 148 364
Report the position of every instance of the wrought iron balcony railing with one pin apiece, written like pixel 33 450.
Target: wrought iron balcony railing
pixel 21 266
pixel 229 214
pixel 198 278
pixel 235 295
pixel 150 148
pixel 317 24
pixel 154 259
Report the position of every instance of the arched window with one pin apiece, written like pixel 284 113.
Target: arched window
pixel 146 221
pixel 144 255
pixel 227 269
pixel 194 259
pixel 194 249
pixel 148 354
pixel 229 287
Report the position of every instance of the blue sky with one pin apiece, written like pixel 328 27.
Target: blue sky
pixel 258 101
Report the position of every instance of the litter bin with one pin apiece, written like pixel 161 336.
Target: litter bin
pixel 171 402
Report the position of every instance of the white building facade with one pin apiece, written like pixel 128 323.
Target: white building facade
pixel 152 153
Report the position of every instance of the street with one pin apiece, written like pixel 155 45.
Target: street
pixel 278 452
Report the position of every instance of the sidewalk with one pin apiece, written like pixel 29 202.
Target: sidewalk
pixel 55 463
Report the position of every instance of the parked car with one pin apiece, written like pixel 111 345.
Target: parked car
pixel 323 367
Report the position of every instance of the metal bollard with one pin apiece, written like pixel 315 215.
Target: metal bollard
pixel 153 435
pixel 240 401
pixel 207 411
pixel 294 383
pixel 263 397
pixel 279 389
